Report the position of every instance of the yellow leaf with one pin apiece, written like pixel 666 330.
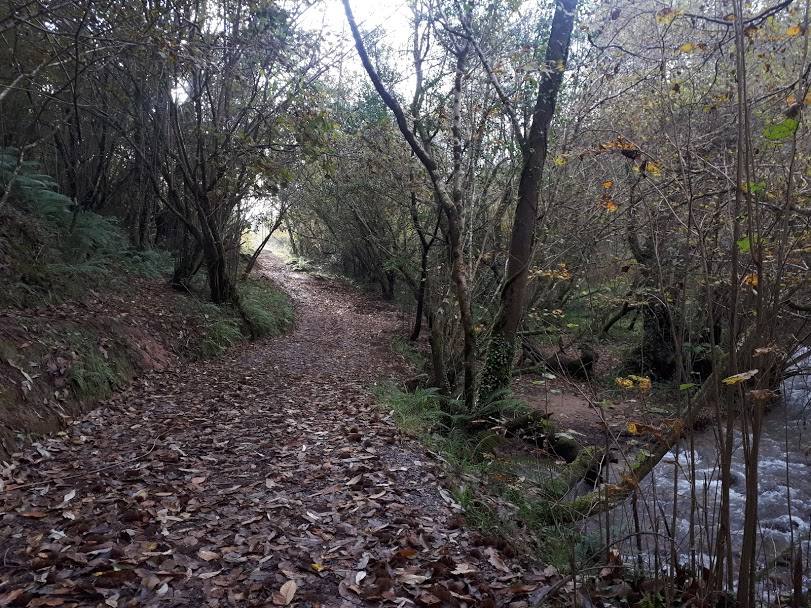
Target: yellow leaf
pixel 624 382
pixel 738 378
pixel 610 206
pixel 687 47
pixel 632 428
pixel 608 184
pixel 652 168
pixel 559 160
pixel 750 279
pixel 667 15
pixel 794 30
pixel 318 567
pixel 642 381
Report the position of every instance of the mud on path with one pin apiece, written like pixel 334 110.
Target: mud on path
pixel 267 477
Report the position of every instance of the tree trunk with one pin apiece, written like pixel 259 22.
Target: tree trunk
pixel 220 284
pixel 437 342
pixel 293 248
pixel 450 205
pixel 501 350
pixel 658 347
pixel 420 297
pixel 187 259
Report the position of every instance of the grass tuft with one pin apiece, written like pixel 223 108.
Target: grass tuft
pixel 94 376
pixel 220 334
pixel 267 309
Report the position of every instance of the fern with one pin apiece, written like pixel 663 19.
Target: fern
pixel 54 242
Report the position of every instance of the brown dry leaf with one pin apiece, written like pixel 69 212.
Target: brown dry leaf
pixel 207 555
pixel 494 558
pixel 429 599
pixel 45 601
pixel 762 394
pixel 409 578
pixel 285 594
pixel 207 575
pixel 7 598
pixel 766 350
pixel 464 569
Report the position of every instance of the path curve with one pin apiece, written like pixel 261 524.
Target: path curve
pixel 218 483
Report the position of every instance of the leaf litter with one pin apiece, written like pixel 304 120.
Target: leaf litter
pixel 267 477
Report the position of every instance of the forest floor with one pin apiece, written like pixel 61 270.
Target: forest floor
pixel 269 476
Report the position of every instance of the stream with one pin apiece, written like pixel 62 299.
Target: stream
pixel 784 472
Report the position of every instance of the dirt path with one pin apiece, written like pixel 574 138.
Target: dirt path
pixel 265 477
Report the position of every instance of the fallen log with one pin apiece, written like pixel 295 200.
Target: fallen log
pixel 577 367
pixel 702 410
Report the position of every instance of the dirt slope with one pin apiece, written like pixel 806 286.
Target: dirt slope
pixel 263 478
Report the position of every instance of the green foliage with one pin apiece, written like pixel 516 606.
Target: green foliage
pixel 55 249
pixel 445 426
pixel 267 310
pixel 427 411
pixel 406 349
pixel 497 371
pixel 220 335
pixel 417 413
pixel 153 263
pixel 301 265
pixel 652 600
pixel 495 407
pixel 478 514
pixel 781 130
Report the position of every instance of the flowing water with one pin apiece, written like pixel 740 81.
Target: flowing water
pixel 784 507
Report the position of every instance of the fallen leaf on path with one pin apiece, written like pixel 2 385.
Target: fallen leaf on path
pixel 285 594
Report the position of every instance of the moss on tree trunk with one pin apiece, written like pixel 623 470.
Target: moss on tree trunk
pixel 497 370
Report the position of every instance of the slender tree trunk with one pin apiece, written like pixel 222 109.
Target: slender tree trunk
pixel 420 297
pixel 293 248
pixel 449 204
pixel 437 342
pixel 501 350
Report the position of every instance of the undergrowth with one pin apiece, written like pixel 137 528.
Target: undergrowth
pixel 408 351
pixel 54 250
pixel 220 330
pixel 496 497
pixel 266 312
